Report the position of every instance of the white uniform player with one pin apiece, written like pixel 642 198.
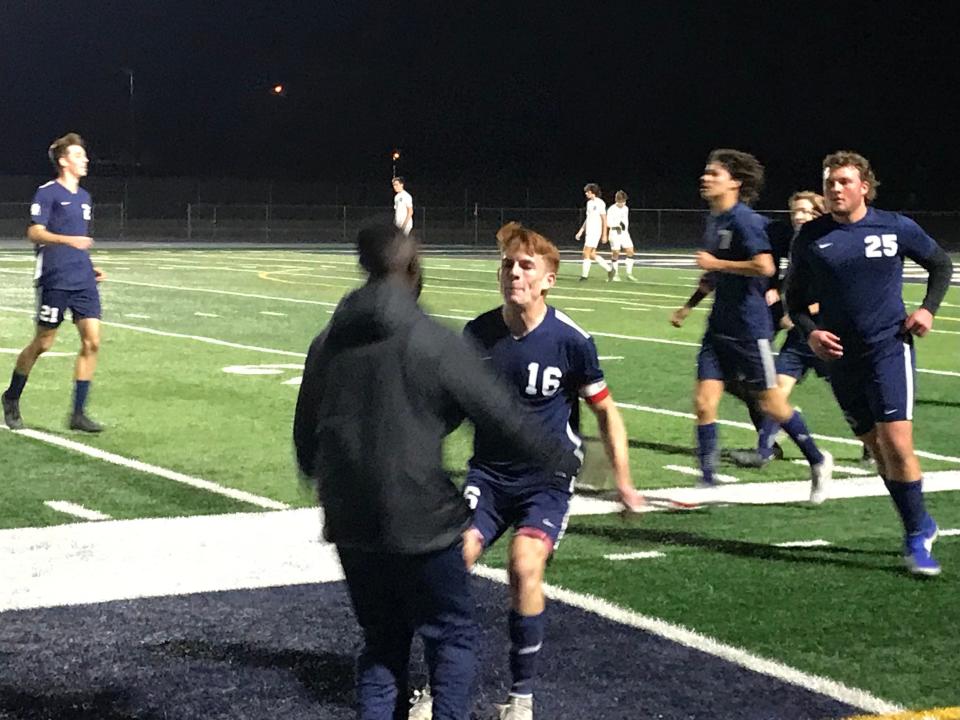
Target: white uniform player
pixel 402 207
pixel 595 228
pixel 618 222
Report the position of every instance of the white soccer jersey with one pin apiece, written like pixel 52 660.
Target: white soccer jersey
pixel 617 215
pixel 401 201
pixel 596 209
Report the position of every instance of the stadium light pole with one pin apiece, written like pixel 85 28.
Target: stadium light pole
pixel 131 119
pixel 394 156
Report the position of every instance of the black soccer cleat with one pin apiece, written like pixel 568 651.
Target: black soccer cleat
pixel 752 459
pixel 79 421
pixel 11 413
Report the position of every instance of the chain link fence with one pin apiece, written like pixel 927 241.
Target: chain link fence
pixel 650 228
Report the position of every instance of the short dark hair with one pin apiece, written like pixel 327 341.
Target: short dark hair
pixel 381 249
pixel 592 187
pixel 399 179
pixel 742 167
pixel 58 148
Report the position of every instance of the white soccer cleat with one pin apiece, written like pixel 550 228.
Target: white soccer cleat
pixel 422 706
pixel 821 475
pixel 517 708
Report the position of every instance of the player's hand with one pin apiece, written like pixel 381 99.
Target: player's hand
pixel 679 315
pixel 772 296
pixel 825 345
pixel 707 261
pixel 81 242
pixel 632 500
pixel 919 322
pixel 99 274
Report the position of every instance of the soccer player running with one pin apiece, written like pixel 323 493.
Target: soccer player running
pixel 851 262
pixel 65 278
pixel 402 207
pixel 595 228
pixel 795 358
pixel 618 227
pixel 736 344
pixel 551 363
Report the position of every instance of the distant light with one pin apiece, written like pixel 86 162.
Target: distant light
pixel 395 155
pixel 278 89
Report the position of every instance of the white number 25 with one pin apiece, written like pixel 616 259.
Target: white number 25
pixel 880 245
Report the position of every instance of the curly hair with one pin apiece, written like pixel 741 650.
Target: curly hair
pixel 742 167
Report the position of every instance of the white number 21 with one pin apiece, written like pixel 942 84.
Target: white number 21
pixel 551 379
pixel 880 245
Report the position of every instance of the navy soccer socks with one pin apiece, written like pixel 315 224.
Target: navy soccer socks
pixel 707 451
pixel 526 639
pixel 796 428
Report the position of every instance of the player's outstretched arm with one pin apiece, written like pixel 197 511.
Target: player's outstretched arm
pixel 613 434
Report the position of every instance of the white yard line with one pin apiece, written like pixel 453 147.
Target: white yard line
pixel 695 472
pixel 79 511
pixel 748 426
pixel 847 469
pixel 702 643
pixel 274 314
pixel 803 544
pixel 206 314
pixel 952 532
pixel 143 467
pixel 257 296
pixel 640 555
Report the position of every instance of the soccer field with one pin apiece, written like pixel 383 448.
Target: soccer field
pixel 199 369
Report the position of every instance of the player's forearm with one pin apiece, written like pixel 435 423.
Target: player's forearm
pixel 39 235
pixel 940 267
pixel 613 433
pixel 757 266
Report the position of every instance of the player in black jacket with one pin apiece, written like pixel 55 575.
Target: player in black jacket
pixel 382 386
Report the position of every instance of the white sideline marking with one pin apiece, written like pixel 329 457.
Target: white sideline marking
pixel 636 309
pixel 276 314
pixel 76 510
pixel 847 469
pixel 579 309
pixel 610 357
pixel 203 314
pixel 939 372
pixel 949 533
pixel 265 369
pixel 224 292
pixel 203 339
pixel 803 544
pixel 137 316
pixel 695 472
pixel 115 459
pixel 748 426
pixel 645 339
pixel 702 643
pixel 640 555
pixel 17 351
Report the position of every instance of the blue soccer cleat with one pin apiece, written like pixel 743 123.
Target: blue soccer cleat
pixel 917 549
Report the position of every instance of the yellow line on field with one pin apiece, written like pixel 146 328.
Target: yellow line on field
pixel 945 713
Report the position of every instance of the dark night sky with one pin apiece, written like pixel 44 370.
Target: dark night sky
pixel 492 93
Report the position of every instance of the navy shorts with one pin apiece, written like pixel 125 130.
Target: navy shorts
pixel 534 509
pixel 796 358
pixel 744 361
pixel 52 304
pixel 876 385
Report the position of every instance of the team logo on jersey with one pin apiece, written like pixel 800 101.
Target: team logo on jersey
pixel 87 211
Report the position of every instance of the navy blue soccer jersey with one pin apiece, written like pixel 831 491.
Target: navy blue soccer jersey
pixel 855 271
pixel 549 369
pixel 63 213
pixel 739 307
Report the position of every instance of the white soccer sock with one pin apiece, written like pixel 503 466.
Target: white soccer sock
pixel 629 265
pixel 602 262
pixel 586 268
pixel 616 266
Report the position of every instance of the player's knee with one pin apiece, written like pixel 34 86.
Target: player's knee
pixel 526 568
pixel 704 406
pixel 90 345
